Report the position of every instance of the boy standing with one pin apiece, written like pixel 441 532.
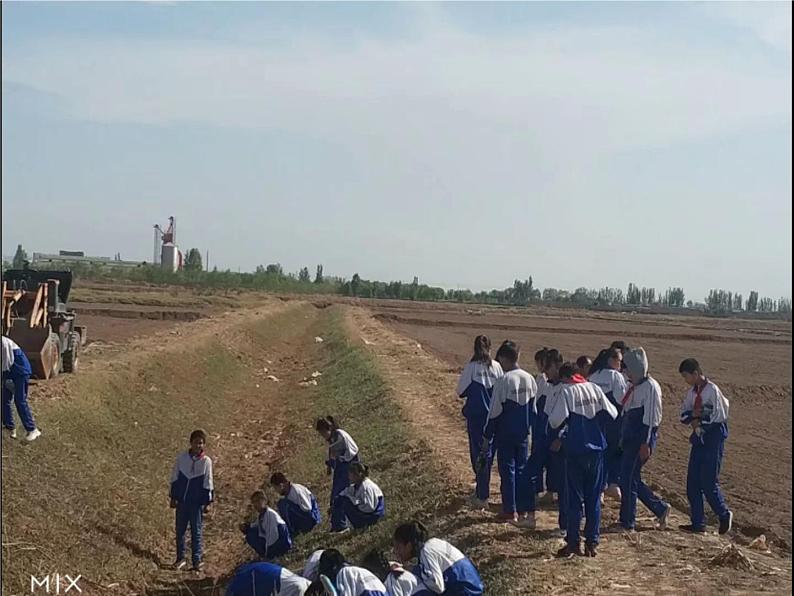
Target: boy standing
pixel 16 375
pixel 705 409
pixel 191 495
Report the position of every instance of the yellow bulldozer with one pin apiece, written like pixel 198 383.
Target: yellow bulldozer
pixel 36 317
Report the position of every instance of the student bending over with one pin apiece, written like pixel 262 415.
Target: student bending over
pixel 268 535
pixel 361 504
pixel 298 506
pixel 266 579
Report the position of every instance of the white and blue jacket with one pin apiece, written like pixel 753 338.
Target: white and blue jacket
pixel 445 570
pixel 191 480
pixel 357 581
pixel 713 416
pixel 584 410
pixel 366 496
pixel 510 415
pixel 14 362
pixel 303 498
pixel 342 447
pixel 475 386
pixel 266 579
pixel 551 397
pixel 612 383
pixel 272 529
pixel 311 569
pixel 642 413
pixel 405 583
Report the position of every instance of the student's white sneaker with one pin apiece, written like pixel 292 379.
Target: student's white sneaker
pixel 180 564
pixel 613 491
pixel 601 498
pixel 526 523
pixel 12 432
pixel 664 517
pixel 33 435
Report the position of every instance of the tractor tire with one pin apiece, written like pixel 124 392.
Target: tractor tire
pixel 72 354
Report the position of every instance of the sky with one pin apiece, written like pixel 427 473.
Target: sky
pixel 468 144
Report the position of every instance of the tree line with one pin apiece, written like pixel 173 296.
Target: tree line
pixel 523 292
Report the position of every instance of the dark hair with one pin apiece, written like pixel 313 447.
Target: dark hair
pixel 602 360
pixel 567 370
pixel 315 589
pixel 482 349
pixel 583 362
pixel 331 561
pixel 691 366
pixel 552 357
pixel 508 350
pixel 198 434
pixel 376 562
pixel 414 533
pixel 326 423
pixel 258 495
pixel 359 469
pixel 619 345
pixel 278 478
pixel 540 355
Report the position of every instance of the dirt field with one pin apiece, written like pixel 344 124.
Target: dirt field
pixel 143 380
pixel 750 360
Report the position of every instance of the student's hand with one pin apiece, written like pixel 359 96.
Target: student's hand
pixel 396 567
pixel 645 452
pixel 555 446
pixel 243 527
pixel 208 510
pixel 173 504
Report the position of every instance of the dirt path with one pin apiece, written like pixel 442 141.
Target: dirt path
pixel 521 563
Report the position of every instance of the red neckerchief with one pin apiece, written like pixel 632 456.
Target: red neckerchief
pixel 698 407
pixel 627 396
pixel 194 459
pixel 575 380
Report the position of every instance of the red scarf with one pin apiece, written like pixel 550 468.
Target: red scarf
pixel 698 407
pixel 627 396
pixel 575 379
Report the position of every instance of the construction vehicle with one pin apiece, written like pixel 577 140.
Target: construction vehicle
pixel 36 318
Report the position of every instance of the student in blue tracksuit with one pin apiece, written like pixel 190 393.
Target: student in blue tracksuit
pixel 583 410
pixel 642 415
pixel 538 450
pixel 398 580
pixel 555 453
pixel 268 535
pixel 705 409
pixel 442 568
pixel 347 580
pixel 298 506
pixel 475 386
pixel 605 372
pixel 266 579
pixel 192 493
pixel 509 421
pixel 360 505
pixel 16 376
pixel 342 451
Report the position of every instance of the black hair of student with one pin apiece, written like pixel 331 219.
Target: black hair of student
pixel 414 533
pixel 567 370
pixel 620 345
pixel 376 562
pixel 540 355
pixel 326 423
pixel 315 589
pixel 331 561
pixel 508 350
pixel 691 366
pixel 553 356
pixel 482 350
pixel 600 362
pixel 583 361
pixel 278 478
pixel 258 495
pixel 359 469
pixel 198 434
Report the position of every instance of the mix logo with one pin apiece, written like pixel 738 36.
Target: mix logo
pixel 54 583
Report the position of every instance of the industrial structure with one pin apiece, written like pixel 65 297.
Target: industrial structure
pixel 166 251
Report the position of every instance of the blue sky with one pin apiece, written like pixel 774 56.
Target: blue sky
pixel 469 144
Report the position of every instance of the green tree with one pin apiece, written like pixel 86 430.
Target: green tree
pixel 193 260
pixel 355 284
pixel 303 276
pixel 752 302
pixel 414 288
pixel 318 279
pixel 20 257
pixel 275 269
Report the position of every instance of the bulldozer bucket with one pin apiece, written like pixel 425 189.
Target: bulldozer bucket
pixel 40 345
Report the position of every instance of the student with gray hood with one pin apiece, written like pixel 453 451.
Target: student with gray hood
pixel 642 415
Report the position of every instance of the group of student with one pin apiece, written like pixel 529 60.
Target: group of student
pixel 356 503
pixel 594 425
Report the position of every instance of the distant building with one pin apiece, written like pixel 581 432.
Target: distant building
pixel 67 259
